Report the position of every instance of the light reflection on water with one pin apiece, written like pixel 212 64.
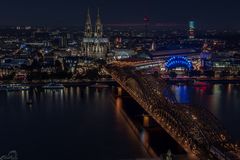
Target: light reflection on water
pixel 88 120
pixel 223 100
pixel 78 123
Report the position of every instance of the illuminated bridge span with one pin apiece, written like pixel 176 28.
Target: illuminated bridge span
pixel 194 128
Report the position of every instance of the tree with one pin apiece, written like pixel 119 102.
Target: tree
pixel 194 73
pixel 156 74
pixel 9 76
pixel 62 75
pixel 35 64
pixel 209 73
pixel 224 74
pixel 101 62
pixel 92 74
pixel 238 73
pixel 58 66
pixel 173 74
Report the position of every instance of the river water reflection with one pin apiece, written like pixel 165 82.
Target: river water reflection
pixel 75 123
pixel 223 100
pixel 86 123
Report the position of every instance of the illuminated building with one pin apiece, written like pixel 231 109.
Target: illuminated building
pixel 94 44
pixel 179 62
pixel 206 57
pixel 63 41
pixel 118 42
pixel 191 30
pixel 153 46
pixel 122 53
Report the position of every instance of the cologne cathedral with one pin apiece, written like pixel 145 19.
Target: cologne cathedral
pixel 94 44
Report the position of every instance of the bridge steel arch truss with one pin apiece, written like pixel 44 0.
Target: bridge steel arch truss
pixel 194 128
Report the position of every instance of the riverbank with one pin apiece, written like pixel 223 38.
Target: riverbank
pixel 207 80
pixel 66 83
pixel 110 81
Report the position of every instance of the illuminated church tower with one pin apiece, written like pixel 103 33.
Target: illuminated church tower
pixel 98 26
pixel 94 44
pixel 88 26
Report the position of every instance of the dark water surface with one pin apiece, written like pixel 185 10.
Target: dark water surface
pixel 75 123
pixel 85 123
pixel 223 100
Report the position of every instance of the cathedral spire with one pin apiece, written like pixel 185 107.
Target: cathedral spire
pixel 99 26
pixel 88 25
pixel 98 17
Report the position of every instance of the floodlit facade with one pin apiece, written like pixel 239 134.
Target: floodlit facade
pixel 94 44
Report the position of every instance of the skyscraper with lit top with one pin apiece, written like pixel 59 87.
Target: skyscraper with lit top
pixel 191 31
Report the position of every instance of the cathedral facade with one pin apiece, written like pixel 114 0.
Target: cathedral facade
pixel 94 44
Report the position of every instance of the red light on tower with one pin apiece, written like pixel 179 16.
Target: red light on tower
pixel 146 19
pixel 146 22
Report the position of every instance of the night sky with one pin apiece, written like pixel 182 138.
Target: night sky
pixel 207 13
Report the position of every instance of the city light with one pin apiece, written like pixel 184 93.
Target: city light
pixel 132 79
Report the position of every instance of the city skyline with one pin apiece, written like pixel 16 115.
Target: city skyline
pixel 72 13
pixel 104 79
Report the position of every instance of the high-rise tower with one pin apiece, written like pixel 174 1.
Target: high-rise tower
pixel 191 31
pixel 88 26
pixel 98 26
pixel 146 24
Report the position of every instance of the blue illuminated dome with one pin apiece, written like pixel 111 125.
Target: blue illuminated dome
pixel 178 61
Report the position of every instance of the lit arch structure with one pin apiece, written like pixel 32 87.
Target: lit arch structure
pixel 196 129
pixel 178 61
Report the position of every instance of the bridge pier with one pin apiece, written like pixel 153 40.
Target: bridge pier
pixel 119 91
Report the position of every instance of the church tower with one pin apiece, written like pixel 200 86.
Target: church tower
pixel 98 26
pixel 88 26
pixel 93 43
